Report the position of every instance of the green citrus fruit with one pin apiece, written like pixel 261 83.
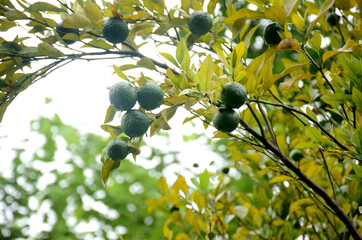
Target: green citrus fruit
pixel 332 19
pixel 226 120
pixel 115 30
pixel 117 149
pixel 135 123
pixel 199 23
pixel 225 170
pixel 150 96
pixel 62 31
pixel 233 95
pixel 271 35
pixel 123 96
pixel 296 154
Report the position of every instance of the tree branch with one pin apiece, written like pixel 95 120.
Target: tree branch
pixel 316 188
pixel 309 118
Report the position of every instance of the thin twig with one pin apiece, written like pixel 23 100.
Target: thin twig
pixel 329 175
pixel 309 118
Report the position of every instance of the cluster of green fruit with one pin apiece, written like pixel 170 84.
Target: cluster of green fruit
pixel 134 123
pixel 115 29
pixel 233 95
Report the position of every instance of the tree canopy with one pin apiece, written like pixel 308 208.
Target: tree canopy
pixel 297 139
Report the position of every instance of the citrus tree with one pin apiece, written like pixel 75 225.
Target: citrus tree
pixel 279 82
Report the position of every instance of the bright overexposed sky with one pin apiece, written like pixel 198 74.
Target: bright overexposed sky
pixel 80 97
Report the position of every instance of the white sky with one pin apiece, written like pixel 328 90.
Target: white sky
pixel 80 97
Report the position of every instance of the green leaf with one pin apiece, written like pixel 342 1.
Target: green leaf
pixel 76 20
pixel 98 43
pixel 357 98
pixel 182 55
pixel 336 98
pixel 134 150
pixel 48 50
pixel 111 112
pixel 43 6
pixel 15 15
pixel 119 72
pixel 146 63
pixel 3 108
pixel 311 114
pixel 357 169
pixel 204 181
pixel 113 130
pixel 358 138
pixel 325 7
pixel 178 22
pixel 315 42
pixel 170 58
pixel 108 166
pixel 162 29
pixel 6 25
pixel 314 134
pixel 304 145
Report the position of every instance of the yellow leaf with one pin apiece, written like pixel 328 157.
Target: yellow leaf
pixel 325 7
pixel 289 70
pixel 76 20
pixel 108 166
pixel 289 83
pixel 93 12
pixel 277 14
pixel 237 54
pixel 345 4
pixel 206 73
pixel 281 178
pixel 180 184
pixel 177 218
pixel 348 47
pixel 182 236
pixel 185 5
pixel 162 185
pixel 289 44
pixel 300 204
pixel 298 21
pixel 176 100
pixel 204 226
pixel 156 204
pixel 289 6
pixel 244 12
pixel 266 75
pixel 166 231
pixel 199 199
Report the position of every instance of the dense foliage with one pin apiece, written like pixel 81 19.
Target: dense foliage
pixel 304 92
